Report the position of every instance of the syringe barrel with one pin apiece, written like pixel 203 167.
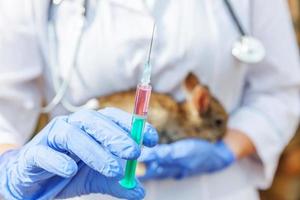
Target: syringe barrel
pixel 142 99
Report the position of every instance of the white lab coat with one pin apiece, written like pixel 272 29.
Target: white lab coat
pixel 192 35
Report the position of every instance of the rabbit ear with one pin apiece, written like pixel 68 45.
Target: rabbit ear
pixel 197 94
pixel 201 98
pixel 190 82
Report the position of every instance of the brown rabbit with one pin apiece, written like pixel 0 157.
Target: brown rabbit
pixel 200 115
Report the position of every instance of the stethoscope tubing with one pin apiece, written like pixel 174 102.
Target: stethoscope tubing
pixel 61 88
pixel 235 18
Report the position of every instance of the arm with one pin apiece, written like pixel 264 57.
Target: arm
pixel 6 147
pixel 269 112
pixel 239 143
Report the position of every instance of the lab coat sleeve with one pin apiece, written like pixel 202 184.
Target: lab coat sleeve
pixel 270 108
pixel 20 67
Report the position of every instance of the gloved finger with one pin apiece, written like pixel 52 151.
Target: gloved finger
pixel 156 171
pixel 43 157
pixel 177 153
pixel 151 137
pixel 124 119
pixel 118 191
pixel 106 132
pixel 65 137
pixel 159 153
pixel 224 151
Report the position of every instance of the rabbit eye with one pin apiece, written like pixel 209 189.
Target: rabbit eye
pixel 218 122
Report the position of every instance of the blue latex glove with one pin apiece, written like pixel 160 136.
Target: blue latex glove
pixel 74 155
pixel 185 158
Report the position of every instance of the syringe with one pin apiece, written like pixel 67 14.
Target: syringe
pixel 142 98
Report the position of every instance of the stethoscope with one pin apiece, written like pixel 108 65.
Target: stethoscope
pixel 61 87
pixel 246 49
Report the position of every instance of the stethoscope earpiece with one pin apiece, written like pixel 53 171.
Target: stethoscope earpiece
pixel 248 50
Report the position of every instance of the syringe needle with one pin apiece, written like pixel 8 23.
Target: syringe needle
pixel 150 48
pixel 145 80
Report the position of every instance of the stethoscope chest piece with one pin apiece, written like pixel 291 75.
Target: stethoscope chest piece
pixel 248 50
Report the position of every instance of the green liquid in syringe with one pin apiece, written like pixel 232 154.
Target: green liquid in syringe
pixel 137 128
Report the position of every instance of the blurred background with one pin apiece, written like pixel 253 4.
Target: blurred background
pixel 295 12
pixel 286 184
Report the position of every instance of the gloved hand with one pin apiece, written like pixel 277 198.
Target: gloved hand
pixel 185 158
pixel 74 155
